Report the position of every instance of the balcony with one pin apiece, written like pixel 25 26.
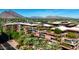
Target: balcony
pixel 67 46
pixel 69 43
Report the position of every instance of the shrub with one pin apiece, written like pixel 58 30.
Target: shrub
pixel 72 35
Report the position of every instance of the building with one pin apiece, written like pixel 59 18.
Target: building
pixel 66 43
pixel 70 43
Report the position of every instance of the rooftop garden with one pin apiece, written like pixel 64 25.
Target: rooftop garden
pixel 72 35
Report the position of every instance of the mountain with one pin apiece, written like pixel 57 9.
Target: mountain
pixel 52 17
pixel 36 17
pixel 10 14
pixel 59 17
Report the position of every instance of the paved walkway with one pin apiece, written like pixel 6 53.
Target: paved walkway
pixel 13 43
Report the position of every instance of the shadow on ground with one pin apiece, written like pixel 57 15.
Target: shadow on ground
pixel 3 40
pixel 3 37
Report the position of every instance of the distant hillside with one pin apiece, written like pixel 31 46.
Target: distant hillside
pixel 50 19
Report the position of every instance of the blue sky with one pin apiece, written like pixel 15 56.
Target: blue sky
pixel 47 12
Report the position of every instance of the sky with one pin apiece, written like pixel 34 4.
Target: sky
pixel 74 13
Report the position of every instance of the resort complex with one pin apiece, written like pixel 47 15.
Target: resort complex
pixel 29 33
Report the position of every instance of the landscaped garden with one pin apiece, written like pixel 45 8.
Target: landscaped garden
pixel 29 42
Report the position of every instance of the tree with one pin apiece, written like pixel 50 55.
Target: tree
pixel 14 35
pixel 57 31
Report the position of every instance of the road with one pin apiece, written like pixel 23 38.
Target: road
pixel 6 46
